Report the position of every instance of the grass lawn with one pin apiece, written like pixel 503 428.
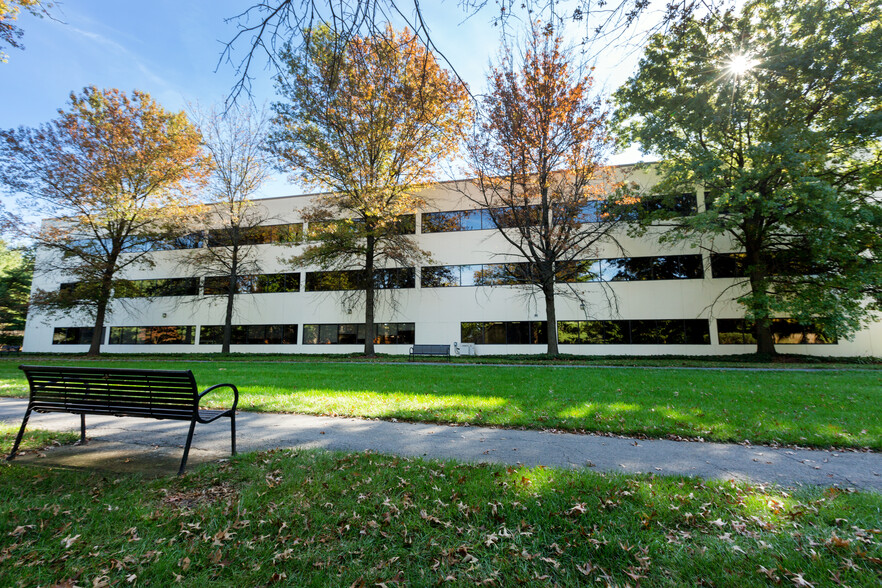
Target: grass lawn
pixel 326 519
pixel 819 408
pixel 33 440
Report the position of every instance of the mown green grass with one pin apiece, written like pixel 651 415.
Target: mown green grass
pixel 309 518
pixel 34 439
pixel 826 408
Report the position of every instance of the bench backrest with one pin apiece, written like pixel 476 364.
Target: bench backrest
pixel 431 348
pixel 167 394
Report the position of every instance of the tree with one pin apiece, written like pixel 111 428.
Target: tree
pixel 16 268
pixel 775 111
pixel 536 157
pixel 116 172
pixel 235 141
pixel 11 34
pixel 370 126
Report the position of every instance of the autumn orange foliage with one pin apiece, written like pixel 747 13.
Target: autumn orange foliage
pixel 536 156
pixel 369 122
pixel 118 173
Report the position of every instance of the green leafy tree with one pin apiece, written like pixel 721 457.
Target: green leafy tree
pixel 368 124
pixel 116 175
pixel 16 269
pixel 776 111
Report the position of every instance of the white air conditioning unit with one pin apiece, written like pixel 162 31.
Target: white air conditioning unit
pixel 465 348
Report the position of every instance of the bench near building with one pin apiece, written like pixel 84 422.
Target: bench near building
pixel 642 299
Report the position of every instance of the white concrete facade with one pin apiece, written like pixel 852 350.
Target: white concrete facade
pixel 436 313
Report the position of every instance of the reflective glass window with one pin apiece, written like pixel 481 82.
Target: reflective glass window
pixel 472 220
pixel 439 276
pixel 441 222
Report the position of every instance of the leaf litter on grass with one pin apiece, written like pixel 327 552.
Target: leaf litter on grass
pixel 343 519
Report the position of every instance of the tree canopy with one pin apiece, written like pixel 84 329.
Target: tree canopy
pixel 115 173
pixel 236 141
pixel 537 157
pixel 369 124
pixel 16 268
pixel 10 33
pixel 266 27
pixel 776 112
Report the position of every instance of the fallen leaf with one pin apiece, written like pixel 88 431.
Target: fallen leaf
pixel 586 569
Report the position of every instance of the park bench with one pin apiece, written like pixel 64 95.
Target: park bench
pixel 430 350
pixel 155 394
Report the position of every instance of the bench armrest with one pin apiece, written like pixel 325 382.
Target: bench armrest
pixel 215 387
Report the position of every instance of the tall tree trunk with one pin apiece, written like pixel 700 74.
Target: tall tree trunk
pixel 765 345
pixel 231 293
pixel 759 304
pixel 369 327
pixel 100 314
pixel 228 322
pixel 551 317
pixel 98 331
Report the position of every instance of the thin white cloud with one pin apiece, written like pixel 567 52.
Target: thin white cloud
pixel 121 49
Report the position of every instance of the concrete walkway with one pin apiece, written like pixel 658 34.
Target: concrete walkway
pixel 120 444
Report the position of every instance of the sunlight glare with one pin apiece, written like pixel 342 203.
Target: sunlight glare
pixel 740 64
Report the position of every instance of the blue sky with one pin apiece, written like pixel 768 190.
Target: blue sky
pixel 170 48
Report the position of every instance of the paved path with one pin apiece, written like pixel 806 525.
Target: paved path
pixel 128 440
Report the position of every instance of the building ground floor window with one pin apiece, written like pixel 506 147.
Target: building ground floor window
pixel 785 331
pixel 354 334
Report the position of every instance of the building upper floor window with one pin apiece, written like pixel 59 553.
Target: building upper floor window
pixel 479 219
pixel 669 267
pixel 137 244
pixel 678 204
pixel 404 224
pixel 263 235
pixel 486 274
pixel 158 287
pixel 388 278
pixel 253 284
pixel 627 269
pixel 778 263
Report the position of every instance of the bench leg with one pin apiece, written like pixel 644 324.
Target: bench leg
pixel 187 447
pixel 21 431
pixel 82 440
pixel 233 432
